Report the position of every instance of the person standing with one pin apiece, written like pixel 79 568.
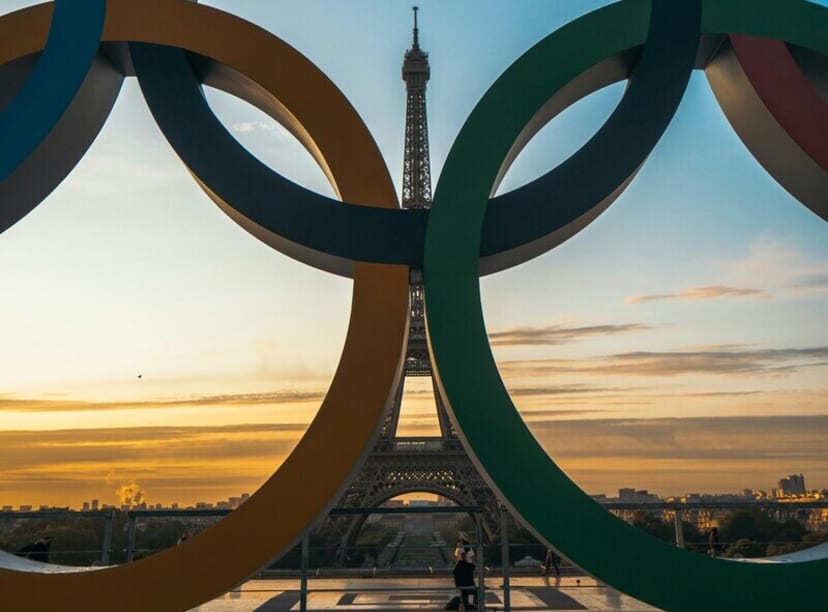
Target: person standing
pixel 464 580
pixel 463 546
pixel 713 542
pixel 552 561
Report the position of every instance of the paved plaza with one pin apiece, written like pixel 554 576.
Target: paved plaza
pixel 535 594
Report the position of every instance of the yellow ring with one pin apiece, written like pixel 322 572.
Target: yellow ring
pixel 310 480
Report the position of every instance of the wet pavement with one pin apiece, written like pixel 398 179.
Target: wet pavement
pixel 535 594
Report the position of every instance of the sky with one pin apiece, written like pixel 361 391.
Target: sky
pixel 677 344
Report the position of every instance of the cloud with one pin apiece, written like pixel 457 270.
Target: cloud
pixel 681 455
pixel 247 399
pixel 566 390
pixel 185 464
pixel 175 463
pixel 115 169
pixel 701 293
pixel 547 414
pixel 253 126
pixel 254 398
pixel 720 393
pixel 782 265
pixel 811 281
pixel 558 334
pixel 588 396
pixel 675 363
pixel 110 449
pixel 272 128
pixel 722 438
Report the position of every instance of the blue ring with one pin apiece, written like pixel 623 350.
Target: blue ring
pixel 29 118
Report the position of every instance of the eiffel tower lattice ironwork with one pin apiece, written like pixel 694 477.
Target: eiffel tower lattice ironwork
pixel 437 464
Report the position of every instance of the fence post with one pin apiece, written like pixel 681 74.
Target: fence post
pixel 131 537
pixel 107 538
pixel 504 547
pixel 481 589
pixel 303 577
pixel 679 528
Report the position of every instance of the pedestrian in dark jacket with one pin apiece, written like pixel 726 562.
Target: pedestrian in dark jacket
pixel 464 580
pixel 713 542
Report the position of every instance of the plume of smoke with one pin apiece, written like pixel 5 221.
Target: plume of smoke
pixel 130 494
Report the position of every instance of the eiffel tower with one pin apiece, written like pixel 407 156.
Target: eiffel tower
pixel 437 464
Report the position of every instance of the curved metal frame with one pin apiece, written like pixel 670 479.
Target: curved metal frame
pixel 496 436
pixel 213 562
pixel 467 233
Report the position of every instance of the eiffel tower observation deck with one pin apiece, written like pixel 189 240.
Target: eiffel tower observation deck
pixel 436 464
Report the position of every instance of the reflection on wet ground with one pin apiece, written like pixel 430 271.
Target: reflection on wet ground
pixel 535 594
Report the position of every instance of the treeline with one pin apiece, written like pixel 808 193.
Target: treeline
pixel 745 533
pixel 80 541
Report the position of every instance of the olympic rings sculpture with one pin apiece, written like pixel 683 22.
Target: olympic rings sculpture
pixel 767 63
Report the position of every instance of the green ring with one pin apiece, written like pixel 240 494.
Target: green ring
pixel 511 459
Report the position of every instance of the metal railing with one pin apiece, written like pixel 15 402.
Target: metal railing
pixel 676 509
pixel 107 516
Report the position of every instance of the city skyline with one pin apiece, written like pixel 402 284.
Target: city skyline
pixel 148 340
pixel 790 488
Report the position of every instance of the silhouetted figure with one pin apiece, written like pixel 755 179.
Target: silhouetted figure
pixel 463 546
pixel 552 561
pixel 713 542
pixel 464 580
pixel 37 550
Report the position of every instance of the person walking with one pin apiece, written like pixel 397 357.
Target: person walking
pixel 552 561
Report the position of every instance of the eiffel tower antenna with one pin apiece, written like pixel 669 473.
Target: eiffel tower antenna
pixel 434 464
pixel 416 31
pixel 416 191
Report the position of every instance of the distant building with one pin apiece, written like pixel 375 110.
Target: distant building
pixel 792 485
pixel 637 497
pixel 85 506
pixel 95 503
pixel 626 495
